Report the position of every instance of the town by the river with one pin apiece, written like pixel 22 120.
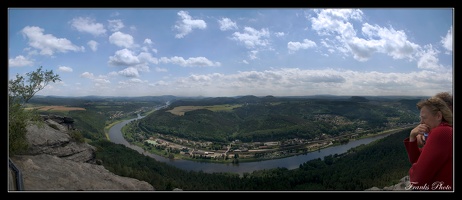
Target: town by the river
pixel 289 162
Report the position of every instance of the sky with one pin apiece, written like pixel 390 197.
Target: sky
pixel 224 52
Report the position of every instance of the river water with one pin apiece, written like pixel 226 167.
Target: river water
pixel 115 136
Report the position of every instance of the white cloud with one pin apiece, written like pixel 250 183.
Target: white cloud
pixel 93 45
pixel 335 23
pixel 147 58
pixel 227 24
pixel 147 41
pixel 124 57
pixel 279 34
pixel 447 41
pixel 129 72
pixel 115 25
pixel 429 59
pixel 121 39
pixel 190 62
pixel 47 43
pixel 187 24
pixel 64 69
pixel 87 25
pixel 101 82
pixel 295 46
pixel 19 61
pixel 88 75
pixel 390 41
pixel 252 38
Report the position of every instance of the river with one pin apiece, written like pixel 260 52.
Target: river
pixel 293 162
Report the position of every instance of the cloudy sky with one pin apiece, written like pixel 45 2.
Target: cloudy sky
pixel 235 51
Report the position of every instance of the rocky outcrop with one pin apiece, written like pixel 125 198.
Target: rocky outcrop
pixel 54 162
pixel 401 186
pixel 43 139
pixel 51 173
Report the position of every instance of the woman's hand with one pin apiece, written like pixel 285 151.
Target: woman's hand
pixel 420 140
pixel 418 130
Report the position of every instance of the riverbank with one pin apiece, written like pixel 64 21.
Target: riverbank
pixel 172 151
pixel 291 162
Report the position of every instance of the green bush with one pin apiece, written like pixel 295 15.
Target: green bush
pixel 18 118
pixel 77 136
pixel 17 122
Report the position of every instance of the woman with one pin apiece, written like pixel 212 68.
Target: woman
pixel 446 97
pixel 432 165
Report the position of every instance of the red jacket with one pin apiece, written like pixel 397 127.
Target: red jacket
pixel 432 165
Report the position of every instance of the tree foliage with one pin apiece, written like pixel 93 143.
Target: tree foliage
pixel 24 88
pixel 276 119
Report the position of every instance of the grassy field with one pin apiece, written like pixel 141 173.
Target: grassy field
pixel 180 110
pixel 55 108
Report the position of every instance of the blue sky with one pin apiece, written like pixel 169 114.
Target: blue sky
pixel 235 51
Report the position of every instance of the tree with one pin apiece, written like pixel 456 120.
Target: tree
pixel 20 91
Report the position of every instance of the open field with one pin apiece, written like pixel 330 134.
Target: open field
pixel 180 110
pixel 56 108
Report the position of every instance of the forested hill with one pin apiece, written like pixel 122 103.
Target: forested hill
pixel 251 118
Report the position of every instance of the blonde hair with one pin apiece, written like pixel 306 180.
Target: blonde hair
pixel 446 97
pixel 435 104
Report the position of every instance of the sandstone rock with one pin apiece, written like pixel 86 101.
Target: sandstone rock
pixel 401 186
pixel 54 162
pixel 50 173
pixel 45 140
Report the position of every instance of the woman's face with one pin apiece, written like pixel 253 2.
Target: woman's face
pixel 426 117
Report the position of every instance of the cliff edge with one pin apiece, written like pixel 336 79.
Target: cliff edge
pixel 55 162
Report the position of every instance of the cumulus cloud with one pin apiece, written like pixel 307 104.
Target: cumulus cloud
pixel 64 69
pixel 147 41
pixel 98 81
pixel 227 24
pixel 115 25
pixel 129 72
pixel 186 24
pixel 190 62
pixel 88 75
pixel 19 61
pixel 446 41
pixel 93 45
pixel 252 38
pixel 146 57
pixel 88 25
pixel 124 57
pixel 429 59
pixel 341 36
pixel 391 42
pixel 121 39
pixel 335 21
pixel 47 43
pixel 279 34
pixel 295 46
pixel 135 63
